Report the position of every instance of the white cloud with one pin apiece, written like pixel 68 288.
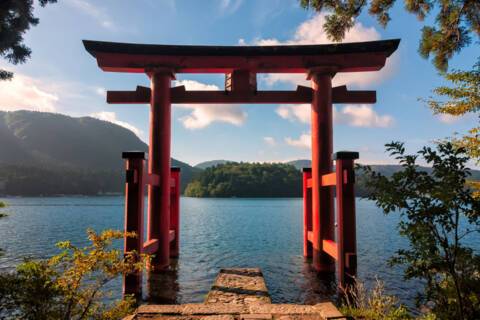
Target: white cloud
pixel 112 117
pixel 361 115
pixel 304 141
pixel 311 32
pixel 26 93
pixel 102 18
pixel 202 115
pixel 447 118
pixel 295 112
pixel 102 92
pixel 270 141
pixel 230 6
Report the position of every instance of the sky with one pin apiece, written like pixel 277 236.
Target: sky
pixel 62 77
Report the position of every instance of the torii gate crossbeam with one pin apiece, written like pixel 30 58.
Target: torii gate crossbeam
pixel 241 64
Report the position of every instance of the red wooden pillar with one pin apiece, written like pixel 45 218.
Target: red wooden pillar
pixel 307 212
pixel 175 212
pixel 322 149
pixel 159 165
pixel 134 198
pixel 346 230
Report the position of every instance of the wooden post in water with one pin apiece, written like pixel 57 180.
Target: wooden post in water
pixel 175 212
pixel 159 168
pixel 307 212
pixel 134 197
pixel 322 164
pixel 346 225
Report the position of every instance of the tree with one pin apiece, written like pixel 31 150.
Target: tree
pixel 71 284
pixel 438 215
pixel 455 26
pixel 462 98
pixel 16 17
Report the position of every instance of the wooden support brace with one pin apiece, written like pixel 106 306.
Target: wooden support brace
pixel 151 246
pixel 310 236
pixel 329 179
pixel 330 247
pixel 152 179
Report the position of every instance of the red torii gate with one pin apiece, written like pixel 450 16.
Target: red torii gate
pixel 241 64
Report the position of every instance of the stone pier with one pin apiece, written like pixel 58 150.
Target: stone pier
pixel 238 294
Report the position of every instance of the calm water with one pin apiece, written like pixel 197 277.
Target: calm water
pixel 215 233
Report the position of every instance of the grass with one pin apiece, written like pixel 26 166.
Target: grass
pixel 375 304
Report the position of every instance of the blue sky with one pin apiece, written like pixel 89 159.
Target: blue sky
pixel 62 77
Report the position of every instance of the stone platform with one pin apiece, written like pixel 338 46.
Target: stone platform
pixel 238 294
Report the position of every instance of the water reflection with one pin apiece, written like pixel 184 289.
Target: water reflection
pixel 163 287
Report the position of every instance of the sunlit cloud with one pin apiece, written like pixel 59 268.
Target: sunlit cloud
pixel 202 115
pixel 230 6
pixel 447 118
pixel 270 141
pixel 304 141
pixel 361 115
pixel 26 93
pixel 311 32
pixel 94 11
pixel 112 117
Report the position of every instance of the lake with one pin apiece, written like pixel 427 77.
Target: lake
pixel 215 233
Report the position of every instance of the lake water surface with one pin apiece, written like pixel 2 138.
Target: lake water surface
pixel 215 233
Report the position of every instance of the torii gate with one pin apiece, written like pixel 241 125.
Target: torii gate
pixel 241 64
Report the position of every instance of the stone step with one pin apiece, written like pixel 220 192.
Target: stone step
pixel 238 294
pixel 239 286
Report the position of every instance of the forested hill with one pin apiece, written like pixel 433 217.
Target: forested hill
pixel 232 179
pixel 47 154
pixel 247 180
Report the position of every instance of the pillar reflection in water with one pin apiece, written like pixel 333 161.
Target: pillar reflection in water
pixel 318 286
pixel 162 287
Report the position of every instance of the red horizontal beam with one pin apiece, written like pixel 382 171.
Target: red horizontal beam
pixel 182 96
pixel 342 95
pixel 139 63
pixel 140 95
pixel 151 246
pixel 331 247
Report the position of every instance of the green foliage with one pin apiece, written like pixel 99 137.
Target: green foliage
pixel 455 24
pixel 438 213
pixel 71 284
pixel 34 181
pixel 247 180
pixel 461 98
pixel 375 304
pixel 16 17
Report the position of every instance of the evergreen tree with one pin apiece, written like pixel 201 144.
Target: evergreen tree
pixel 16 17
pixel 455 26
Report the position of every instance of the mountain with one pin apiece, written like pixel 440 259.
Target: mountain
pixel 300 164
pixel 47 143
pixel 211 163
pixel 384 169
